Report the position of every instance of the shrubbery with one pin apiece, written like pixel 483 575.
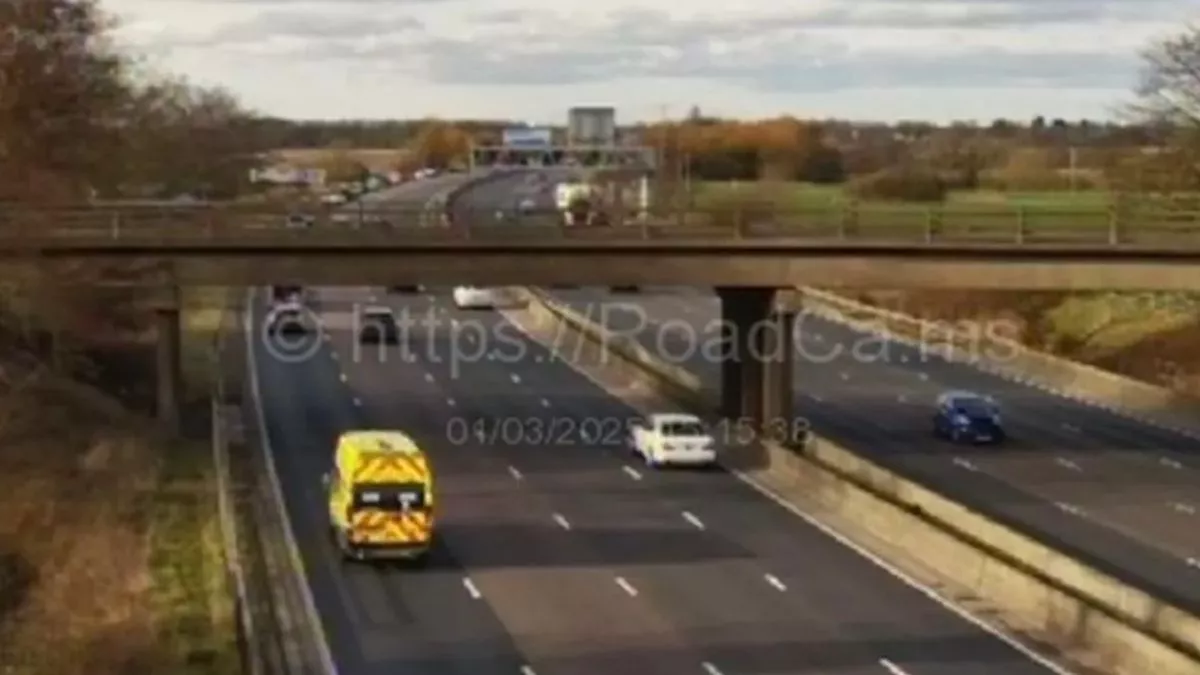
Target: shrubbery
pixel 902 183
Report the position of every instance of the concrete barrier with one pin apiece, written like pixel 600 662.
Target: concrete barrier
pixel 1144 402
pixel 1084 610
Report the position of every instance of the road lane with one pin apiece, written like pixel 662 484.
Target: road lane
pixel 708 592
pixel 1101 485
pixel 376 620
pixel 501 532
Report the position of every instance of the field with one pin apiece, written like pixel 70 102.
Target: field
pixel 808 197
pixel 378 159
pixel 110 549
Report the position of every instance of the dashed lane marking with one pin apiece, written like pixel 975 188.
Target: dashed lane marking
pixel 357 402
pixel 526 670
pixel 515 378
pixel 428 377
pixel 562 522
pixel 626 586
pixel 965 464
pixel 710 669
pixel 342 377
pixel 691 518
pixel 633 473
pixel 1184 508
pixel 471 589
pixel 892 668
pixel 515 474
pixel 545 403
pixel 1069 508
pixel 1067 464
pixel 774 581
pixel 451 402
pixel 1167 461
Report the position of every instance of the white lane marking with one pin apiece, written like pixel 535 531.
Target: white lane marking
pixel 626 586
pixel 515 474
pixel 451 402
pixel 691 518
pixel 1193 562
pixel 1071 428
pixel 632 472
pixel 891 569
pixel 342 377
pixel 924 376
pixel 1067 464
pixel 333 355
pixel 902 398
pixel 276 487
pixel 1069 508
pixel 1184 508
pixel 711 669
pixel 1167 461
pixel 897 573
pixel 892 668
pixel 774 581
pixel 965 464
pixel 817 398
pixel 562 522
pixel 526 670
pixel 545 403
pixel 357 402
pixel 470 586
pixel 845 376
pixel 515 378
pixel 428 377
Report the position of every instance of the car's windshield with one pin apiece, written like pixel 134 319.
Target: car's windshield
pixel 388 496
pixel 683 429
pixel 974 407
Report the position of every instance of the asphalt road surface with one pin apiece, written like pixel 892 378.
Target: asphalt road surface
pixel 1095 483
pixel 558 554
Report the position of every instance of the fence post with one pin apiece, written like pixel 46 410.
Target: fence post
pixel 1114 225
pixel 1022 225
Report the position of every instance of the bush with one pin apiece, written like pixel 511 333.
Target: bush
pixel 909 184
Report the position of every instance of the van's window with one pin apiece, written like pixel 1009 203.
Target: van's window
pixel 389 496
pixel 683 429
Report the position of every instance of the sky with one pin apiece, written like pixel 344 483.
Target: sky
pixel 531 60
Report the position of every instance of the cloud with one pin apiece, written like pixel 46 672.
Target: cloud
pixel 810 47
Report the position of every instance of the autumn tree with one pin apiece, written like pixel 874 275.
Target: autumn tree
pixel 1169 96
pixel 62 95
pixel 441 145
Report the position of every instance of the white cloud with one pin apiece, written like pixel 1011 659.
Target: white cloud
pixel 935 59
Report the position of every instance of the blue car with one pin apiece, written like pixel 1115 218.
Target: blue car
pixel 965 417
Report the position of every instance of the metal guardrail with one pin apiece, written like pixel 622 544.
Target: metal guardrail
pixel 234 224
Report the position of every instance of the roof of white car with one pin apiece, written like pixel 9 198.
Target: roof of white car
pixel 677 418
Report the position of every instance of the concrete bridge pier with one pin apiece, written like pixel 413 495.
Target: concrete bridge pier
pixel 168 357
pixel 757 359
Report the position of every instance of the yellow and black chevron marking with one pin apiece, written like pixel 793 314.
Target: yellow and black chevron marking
pixel 376 525
pixel 391 468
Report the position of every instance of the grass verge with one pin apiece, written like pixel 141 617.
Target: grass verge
pixel 110 550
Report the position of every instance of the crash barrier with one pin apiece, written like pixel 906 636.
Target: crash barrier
pixel 963 343
pixel 1081 610
pixel 274 638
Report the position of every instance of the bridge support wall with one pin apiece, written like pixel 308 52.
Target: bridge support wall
pixel 757 359
pixel 168 366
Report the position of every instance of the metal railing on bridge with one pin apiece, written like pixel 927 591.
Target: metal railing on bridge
pixel 256 224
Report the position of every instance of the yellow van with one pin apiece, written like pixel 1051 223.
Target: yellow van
pixel 381 497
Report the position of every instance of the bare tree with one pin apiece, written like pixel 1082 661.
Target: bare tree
pixel 61 94
pixel 1169 90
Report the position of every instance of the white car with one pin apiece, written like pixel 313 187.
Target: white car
pixel 472 297
pixel 673 439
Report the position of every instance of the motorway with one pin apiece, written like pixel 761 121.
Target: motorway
pixel 1114 491
pixel 1089 480
pixel 556 555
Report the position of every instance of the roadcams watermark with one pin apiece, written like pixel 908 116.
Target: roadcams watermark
pixel 296 333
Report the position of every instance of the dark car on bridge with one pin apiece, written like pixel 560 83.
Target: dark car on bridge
pixel 966 417
pixel 288 318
